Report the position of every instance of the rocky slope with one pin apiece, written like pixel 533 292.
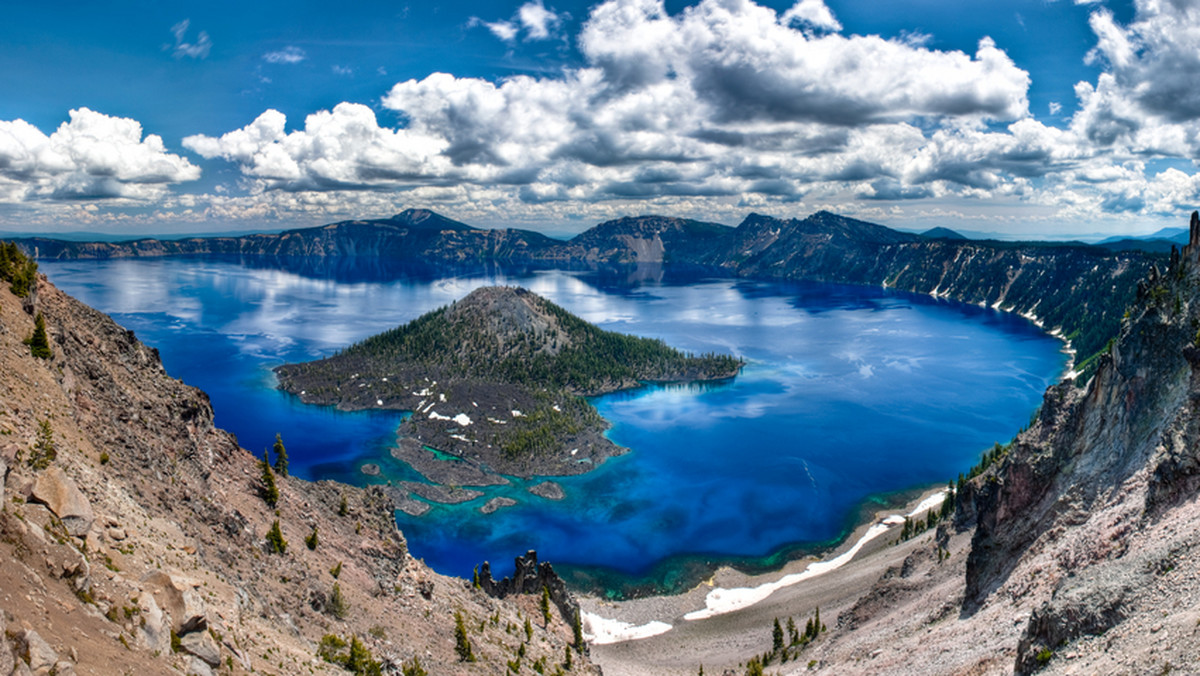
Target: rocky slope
pixel 496 381
pixel 139 545
pixel 1077 290
pixel 1079 551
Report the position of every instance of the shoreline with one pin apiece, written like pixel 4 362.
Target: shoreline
pixel 730 591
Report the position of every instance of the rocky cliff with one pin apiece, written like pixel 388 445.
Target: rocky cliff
pixel 134 536
pixel 415 234
pixel 1078 550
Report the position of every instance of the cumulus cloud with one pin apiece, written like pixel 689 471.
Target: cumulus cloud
pixel 340 149
pixel 537 20
pixel 730 103
pixel 812 13
pixel 1146 99
pixel 91 157
pixel 289 54
pixel 194 50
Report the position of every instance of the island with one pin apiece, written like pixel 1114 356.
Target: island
pixel 497 384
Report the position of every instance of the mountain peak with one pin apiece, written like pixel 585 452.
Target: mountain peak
pixel 425 218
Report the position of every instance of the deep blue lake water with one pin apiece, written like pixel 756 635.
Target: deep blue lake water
pixel 850 394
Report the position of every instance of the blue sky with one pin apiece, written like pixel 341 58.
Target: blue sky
pixel 1031 118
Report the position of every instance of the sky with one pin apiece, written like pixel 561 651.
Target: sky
pixel 1029 118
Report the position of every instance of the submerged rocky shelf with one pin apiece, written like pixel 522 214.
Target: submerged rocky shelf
pixel 497 384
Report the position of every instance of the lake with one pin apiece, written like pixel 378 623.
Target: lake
pixel 851 396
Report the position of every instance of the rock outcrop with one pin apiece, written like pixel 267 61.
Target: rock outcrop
pixel 530 577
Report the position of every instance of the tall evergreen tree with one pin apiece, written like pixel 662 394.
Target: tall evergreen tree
pixel 44 451
pixel 462 645
pixel 270 491
pixel 39 342
pixel 281 458
pixel 777 637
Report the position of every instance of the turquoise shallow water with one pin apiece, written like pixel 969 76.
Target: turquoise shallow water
pixel 849 394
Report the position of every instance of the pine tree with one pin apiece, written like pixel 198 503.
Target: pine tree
pixel 39 342
pixel 528 630
pixel 577 627
pixel 777 637
pixel 312 541
pixel 275 541
pixel 792 634
pixel 462 645
pixel 44 451
pixel 281 458
pixel 270 492
pixel 337 602
pixel 545 605
pixel 343 508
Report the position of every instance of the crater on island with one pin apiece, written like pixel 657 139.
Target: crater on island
pixel 497 384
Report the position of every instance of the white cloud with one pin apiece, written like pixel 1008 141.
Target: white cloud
pixel 728 106
pixel 289 54
pixel 338 149
pixel 812 13
pixel 196 50
pixel 537 20
pixel 94 156
pixel 342 70
pixel 538 23
pixel 505 30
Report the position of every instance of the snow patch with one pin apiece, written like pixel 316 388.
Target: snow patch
pixel 720 601
pixel 602 631
pixel 462 419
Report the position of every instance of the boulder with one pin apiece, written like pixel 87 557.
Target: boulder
pixel 153 632
pixel 37 652
pixel 180 599
pixel 197 667
pixel 57 491
pixel 202 645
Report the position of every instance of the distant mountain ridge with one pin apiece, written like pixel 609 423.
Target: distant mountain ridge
pixel 1077 290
